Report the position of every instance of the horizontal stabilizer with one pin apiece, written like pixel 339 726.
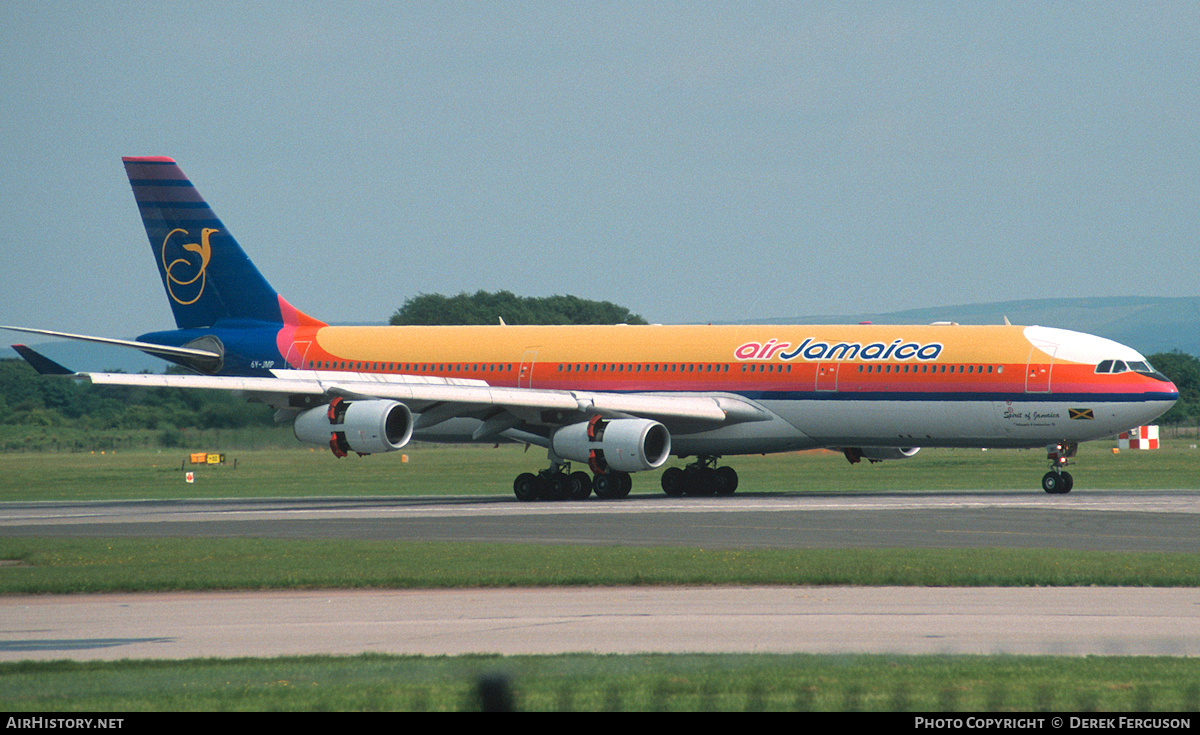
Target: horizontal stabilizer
pixel 44 365
pixel 191 355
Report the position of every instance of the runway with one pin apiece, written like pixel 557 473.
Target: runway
pixel 1099 520
pixel 1067 621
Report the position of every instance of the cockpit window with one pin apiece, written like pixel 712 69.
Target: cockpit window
pixel 1120 366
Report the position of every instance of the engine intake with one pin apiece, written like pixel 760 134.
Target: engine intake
pixel 624 445
pixel 365 427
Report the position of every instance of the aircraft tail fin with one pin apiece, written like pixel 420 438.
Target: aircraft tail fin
pixel 206 274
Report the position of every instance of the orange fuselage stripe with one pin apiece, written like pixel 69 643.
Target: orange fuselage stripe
pixel 708 358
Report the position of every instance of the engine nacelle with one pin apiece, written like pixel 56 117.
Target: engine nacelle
pixel 625 445
pixel 366 427
pixel 878 454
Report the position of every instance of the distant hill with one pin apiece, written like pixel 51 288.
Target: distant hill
pixel 1146 323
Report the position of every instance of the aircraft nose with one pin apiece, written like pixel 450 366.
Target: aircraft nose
pixel 1161 387
pixel 1163 394
pixel 1166 388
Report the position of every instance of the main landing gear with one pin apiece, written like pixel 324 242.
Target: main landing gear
pixel 700 478
pixel 1058 481
pixel 556 483
pixel 559 483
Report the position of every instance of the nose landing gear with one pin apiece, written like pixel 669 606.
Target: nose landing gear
pixel 1058 481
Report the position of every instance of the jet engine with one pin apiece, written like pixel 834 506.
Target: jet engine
pixel 878 454
pixel 623 445
pixel 366 427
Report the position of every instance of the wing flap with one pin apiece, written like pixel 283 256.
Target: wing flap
pixel 210 382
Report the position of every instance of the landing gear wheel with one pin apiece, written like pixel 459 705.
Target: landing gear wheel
pixel 581 486
pixel 612 485
pixel 673 482
pixel 557 486
pixel 1057 483
pixel 526 487
pixel 605 486
pixel 725 480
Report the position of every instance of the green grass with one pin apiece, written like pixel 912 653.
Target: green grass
pixel 575 682
pixel 484 470
pixel 59 565
pixel 290 472
pixel 39 565
pixel 599 683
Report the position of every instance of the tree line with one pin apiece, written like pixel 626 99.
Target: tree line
pixel 1184 371
pixel 484 307
pixel 29 399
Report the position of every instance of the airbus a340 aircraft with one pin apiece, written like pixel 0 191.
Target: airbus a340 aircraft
pixel 620 399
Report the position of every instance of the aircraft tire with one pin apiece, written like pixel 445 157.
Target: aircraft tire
pixel 581 486
pixel 626 485
pixel 525 487
pixel 1057 483
pixel 673 482
pixel 557 486
pixel 605 486
pixel 612 485
pixel 725 480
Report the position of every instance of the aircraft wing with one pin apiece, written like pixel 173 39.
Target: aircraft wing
pixel 441 399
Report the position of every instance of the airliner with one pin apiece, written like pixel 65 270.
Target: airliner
pixel 618 399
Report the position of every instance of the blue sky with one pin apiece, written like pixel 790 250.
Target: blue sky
pixel 692 161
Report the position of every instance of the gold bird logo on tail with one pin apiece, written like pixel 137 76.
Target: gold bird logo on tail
pixel 179 269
